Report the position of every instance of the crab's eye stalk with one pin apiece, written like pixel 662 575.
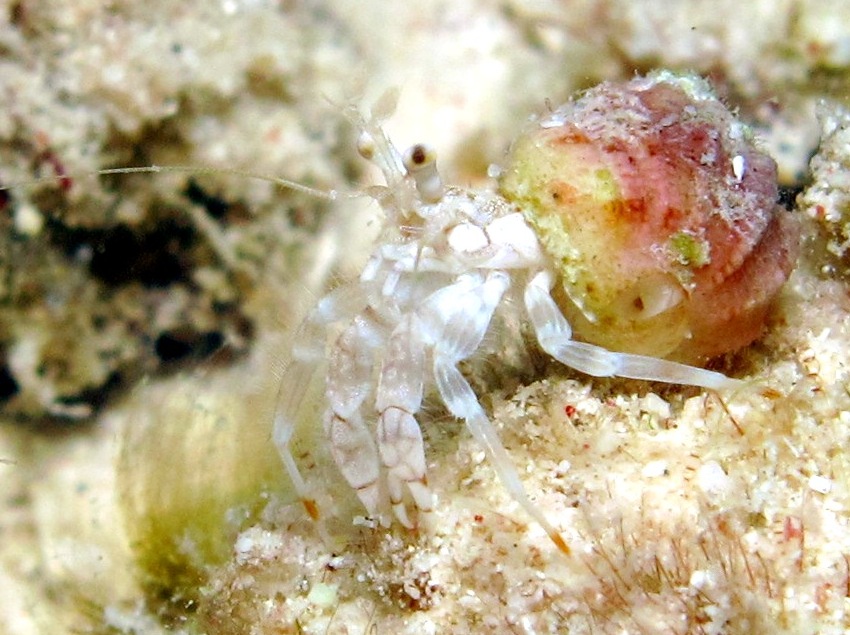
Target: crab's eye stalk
pixel 420 161
pixel 660 214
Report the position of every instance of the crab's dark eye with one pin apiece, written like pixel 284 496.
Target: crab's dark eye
pixel 420 161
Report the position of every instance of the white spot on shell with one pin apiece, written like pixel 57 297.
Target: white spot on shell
pixel 739 167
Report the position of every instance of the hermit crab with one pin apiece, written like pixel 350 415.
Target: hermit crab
pixel 640 224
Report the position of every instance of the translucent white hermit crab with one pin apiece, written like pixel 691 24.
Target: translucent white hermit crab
pixel 428 293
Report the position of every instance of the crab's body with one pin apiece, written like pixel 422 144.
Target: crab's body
pixel 423 304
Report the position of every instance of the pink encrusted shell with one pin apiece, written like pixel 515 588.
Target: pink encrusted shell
pixel 660 214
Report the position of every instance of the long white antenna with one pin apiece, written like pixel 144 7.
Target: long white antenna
pixel 330 195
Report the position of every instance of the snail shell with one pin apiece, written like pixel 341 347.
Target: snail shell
pixel 660 214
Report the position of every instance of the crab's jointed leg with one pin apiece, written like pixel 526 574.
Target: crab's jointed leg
pixel 398 399
pixel 555 337
pixel 349 384
pixel 463 313
pixel 308 354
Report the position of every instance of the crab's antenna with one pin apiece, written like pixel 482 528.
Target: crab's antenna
pixel 330 195
pixel 373 143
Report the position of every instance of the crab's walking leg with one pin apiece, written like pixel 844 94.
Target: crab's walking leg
pixel 349 383
pixel 398 399
pixel 308 354
pixel 555 337
pixel 466 314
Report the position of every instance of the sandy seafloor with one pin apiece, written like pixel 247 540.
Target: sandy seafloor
pixel 142 497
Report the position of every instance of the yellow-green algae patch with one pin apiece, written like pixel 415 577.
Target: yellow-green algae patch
pixel 690 250
pixel 544 178
pixel 194 469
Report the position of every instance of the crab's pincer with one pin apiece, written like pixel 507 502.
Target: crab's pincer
pixel 661 215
